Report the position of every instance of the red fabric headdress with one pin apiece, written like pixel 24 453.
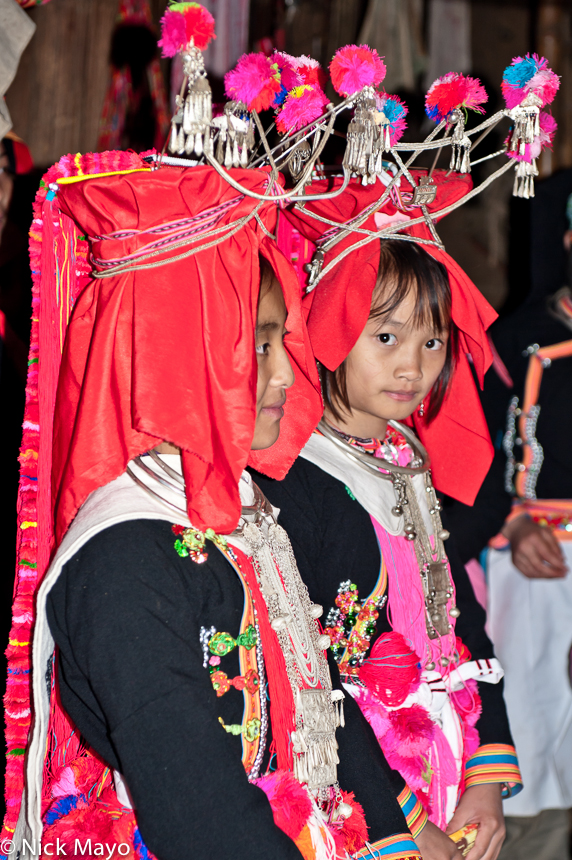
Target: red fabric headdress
pixel 157 353
pixel 167 352
pixel 457 440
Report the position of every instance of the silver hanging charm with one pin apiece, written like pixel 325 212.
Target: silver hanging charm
pixel 190 127
pixel 524 179
pixel 526 123
pixel 364 139
pixel 460 143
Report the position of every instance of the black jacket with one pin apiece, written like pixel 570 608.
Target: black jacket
pixel 126 614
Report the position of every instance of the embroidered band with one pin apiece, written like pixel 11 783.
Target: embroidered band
pixel 415 815
pixel 398 847
pixel 494 763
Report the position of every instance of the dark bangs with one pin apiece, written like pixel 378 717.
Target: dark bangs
pixel 404 266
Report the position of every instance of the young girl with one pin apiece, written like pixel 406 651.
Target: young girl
pixel 364 520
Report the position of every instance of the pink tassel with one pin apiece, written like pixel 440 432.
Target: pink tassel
pixel 406 607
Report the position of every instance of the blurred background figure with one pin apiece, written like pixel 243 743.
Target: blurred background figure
pixel 135 113
pixel 529 580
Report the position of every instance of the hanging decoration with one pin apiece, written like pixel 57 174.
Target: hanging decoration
pixel 188 28
pixel 528 85
pixel 526 168
pixel 448 99
pixel 393 112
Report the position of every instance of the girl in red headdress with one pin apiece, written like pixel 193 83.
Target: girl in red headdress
pixel 392 325
pixel 181 698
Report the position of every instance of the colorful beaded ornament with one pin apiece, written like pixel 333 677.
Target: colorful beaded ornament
pixel 351 626
pixel 190 542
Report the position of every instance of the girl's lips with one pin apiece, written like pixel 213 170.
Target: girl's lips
pixel 275 410
pixel 404 396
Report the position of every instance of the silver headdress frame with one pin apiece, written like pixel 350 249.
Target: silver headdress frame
pixel 229 141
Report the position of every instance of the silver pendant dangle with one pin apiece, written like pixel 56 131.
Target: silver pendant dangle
pixel 460 144
pixel 526 123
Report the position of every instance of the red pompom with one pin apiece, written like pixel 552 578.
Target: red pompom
pixel 354 828
pixel 392 669
pixel 200 25
pixel 290 802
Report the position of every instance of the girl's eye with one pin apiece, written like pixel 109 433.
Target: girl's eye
pixel 387 339
pixel 435 344
pixel 262 349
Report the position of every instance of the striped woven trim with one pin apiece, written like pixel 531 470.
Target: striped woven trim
pixel 494 763
pixel 413 811
pixel 398 847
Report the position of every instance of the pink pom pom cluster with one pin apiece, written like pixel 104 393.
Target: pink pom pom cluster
pixel 395 110
pixel 184 23
pixel 548 127
pixel 355 67
pixel 451 91
pixel 529 74
pixel 255 81
pixel 292 85
pixel 303 105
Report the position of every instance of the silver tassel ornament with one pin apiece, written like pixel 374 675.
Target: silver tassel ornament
pixel 524 179
pixel 526 123
pixel 460 144
pixel 190 129
pixel 364 139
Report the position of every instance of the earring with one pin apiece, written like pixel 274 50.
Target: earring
pixel 421 409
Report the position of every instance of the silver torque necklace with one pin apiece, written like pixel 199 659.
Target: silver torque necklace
pixel 432 560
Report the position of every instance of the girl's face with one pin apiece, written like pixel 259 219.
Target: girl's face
pixel 390 371
pixel 275 372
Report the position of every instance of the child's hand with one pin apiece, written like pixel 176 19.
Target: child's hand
pixel 482 805
pixel 435 845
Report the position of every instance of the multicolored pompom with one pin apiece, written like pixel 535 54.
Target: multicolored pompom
pixel 289 77
pixel 255 81
pixel 310 71
pixel 395 111
pixel 451 91
pixel 355 67
pixel 529 74
pixel 548 127
pixel 184 24
pixel 302 105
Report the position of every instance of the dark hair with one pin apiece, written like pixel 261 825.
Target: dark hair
pixel 404 266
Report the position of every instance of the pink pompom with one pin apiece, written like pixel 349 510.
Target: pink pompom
pixel 452 91
pixel 310 71
pixel 302 106
pixel 354 68
pixel 410 730
pixel 173 33
pixel 183 24
pixel 255 80
pixel 395 111
pixel 291 805
pixel 391 670
pixel 529 74
pixel 289 77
